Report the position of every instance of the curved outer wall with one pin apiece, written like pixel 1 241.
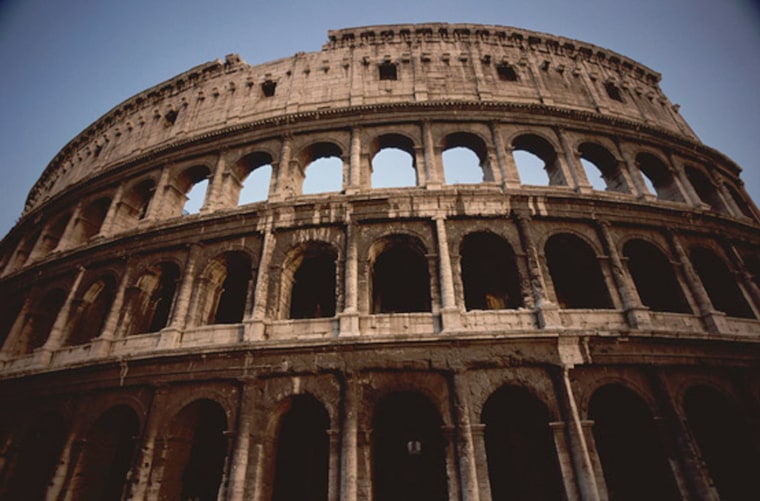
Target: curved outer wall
pixel 126 322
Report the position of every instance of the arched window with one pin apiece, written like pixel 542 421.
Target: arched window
pixel 522 460
pixel 720 284
pixel 322 168
pixel 602 168
pixel 52 236
pixel 193 183
pixel 313 279
pixel 393 164
pixel 633 460
pixel 723 436
pixel 658 178
pixel 303 452
pixel 654 278
pixel 90 221
pixel 134 205
pixel 41 320
pixel 465 159
pixel 254 172
pixel 91 313
pixel 575 272
pixel 107 455
pixel 408 450
pixel 154 298
pixel 489 273
pixel 195 453
pixel 224 286
pixel 533 154
pixel 34 459
pixel 400 277
pixel 705 189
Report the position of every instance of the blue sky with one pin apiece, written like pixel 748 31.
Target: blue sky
pixel 66 63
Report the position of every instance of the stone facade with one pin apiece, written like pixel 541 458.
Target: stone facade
pixel 590 336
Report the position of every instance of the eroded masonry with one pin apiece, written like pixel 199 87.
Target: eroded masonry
pixel 429 262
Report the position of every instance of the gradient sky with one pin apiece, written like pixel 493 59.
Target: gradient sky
pixel 66 63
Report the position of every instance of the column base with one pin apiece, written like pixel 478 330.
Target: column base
pixel 638 318
pixel 348 324
pixel 254 330
pixel 547 315
pixel 170 338
pixel 451 319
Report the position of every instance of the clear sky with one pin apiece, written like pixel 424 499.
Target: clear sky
pixel 66 63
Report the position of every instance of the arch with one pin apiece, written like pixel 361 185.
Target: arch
pixel 153 299
pixel 41 320
pixel 303 452
pixel 654 278
pixel 193 184
pixel 254 173
pixel 9 312
pixel 596 157
pixel 32 463
pixel 720 284
pixel 705 189
pixel 90 315
pixel 408 449
pixel 741 202
pixel 393 162
pixel 658 177
pixel 575 272
pixel 224 289
pixel 134 205
pixel 322 168
pixel 400 276
pixel 52 236
pixel 723 434
pixel 633 459
pixel 196 450
pixel 522 459
pixel 311 274
pixel 531 153
pixel 465 159
pixel 90 220
pixel 107 455
pixel 489 273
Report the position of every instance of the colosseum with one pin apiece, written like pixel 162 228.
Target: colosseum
pixel 568 309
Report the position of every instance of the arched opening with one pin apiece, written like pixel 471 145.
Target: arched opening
pixel 322 168
pixel 723 436
pixel 655 280
pixel 575 272
pixel 602 168
pixel 408 450
pixel 90 316
pixel 720 284
pixel 400 277
pixel 393 164
pixel 303 452
pixel 313 290
pixel 90 221
pixel 225 287
pixel 134 205
pixel 107 455
pixel 52 236
pixel 705 189
pixel 196 449
pixel 742 203
pixel 9 312
pixel 154 297
pixel 465 159
pixel 41 320
pixel 658 177
pixel 633 460
pixel 532 154
pixel 254 172
pixel 193 183
pixel 489 273
pixel 31 467
pixel 522 460
pixel 25 248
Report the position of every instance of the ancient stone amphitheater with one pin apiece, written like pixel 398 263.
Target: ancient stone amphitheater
pixel 548 289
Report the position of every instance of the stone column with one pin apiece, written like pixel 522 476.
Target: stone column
pixel 581 458
pixel 216 185
pixel 350 454
pixel 449 311
pixel 242 449
pixel 352 177
pixel 158 200
pixel 333 468
pixel 564 459
pixel 255 326
pixel 170 335
pixel 281 180
pixel 477 432
pixel 636 314
pixel 140 474
pixel 349 318
pixel 65 240
pixel 467 459
pixel 8 349
pixel 743 275
pixel 509 176
pixel 101 346
pixel 107 228
pixel 433 177
pixel 637 178
pixel 55 339
pixel 573 172
pixel 546 312
pixel 714 321
pixel 449 440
